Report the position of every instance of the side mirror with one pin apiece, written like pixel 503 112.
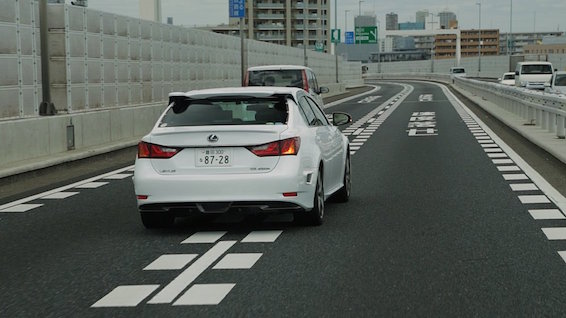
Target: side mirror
pixel 323 90
pixel 546 84
pixel 339 119
pixel 499 79
pixel 516 72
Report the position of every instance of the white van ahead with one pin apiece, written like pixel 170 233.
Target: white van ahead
pixel 533 75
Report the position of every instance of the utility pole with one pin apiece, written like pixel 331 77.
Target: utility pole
pixel 46 107
pixel 336 43
pixel 479 39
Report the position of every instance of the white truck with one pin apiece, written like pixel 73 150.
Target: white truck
pixel 533 75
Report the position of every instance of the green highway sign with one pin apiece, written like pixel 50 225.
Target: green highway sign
pixel 319 47
pixel 335 36
pixel 366 35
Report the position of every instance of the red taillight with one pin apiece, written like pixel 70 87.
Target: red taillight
pixel 147 150
pixel 289 194
pixel 285 147
pixel 305 81
pixel 142 197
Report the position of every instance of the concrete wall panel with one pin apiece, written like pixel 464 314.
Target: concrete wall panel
pixel 9 103
pixel 78 98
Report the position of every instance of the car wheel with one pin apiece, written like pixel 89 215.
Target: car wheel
pixel 154 220
pixel 316 215
pixel 343 195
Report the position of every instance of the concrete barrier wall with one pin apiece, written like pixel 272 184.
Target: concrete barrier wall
pixel 111 75
pixel 491 66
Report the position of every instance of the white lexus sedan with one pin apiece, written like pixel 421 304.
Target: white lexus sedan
pixel 262 148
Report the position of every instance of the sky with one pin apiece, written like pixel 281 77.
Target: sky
pixel 528 15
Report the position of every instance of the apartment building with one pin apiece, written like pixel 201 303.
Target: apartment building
pixel 445 44
pixel 285 22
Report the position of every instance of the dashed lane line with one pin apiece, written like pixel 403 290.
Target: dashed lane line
pixel 13 206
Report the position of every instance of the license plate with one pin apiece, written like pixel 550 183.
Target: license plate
pixel 214 157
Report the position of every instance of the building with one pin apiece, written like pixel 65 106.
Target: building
pixel 411 26
pixel 150 10
pixel 515 43
pixel 391 21
pixel 549 45
pixel 284 22
pixel 445 44
pixel 421 16
pixel 447 19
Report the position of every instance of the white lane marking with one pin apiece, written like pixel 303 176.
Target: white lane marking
pixel 533 199
pixel 515 176
pixel 355 147
pixel 547 214
pixel 204 294
pixel 479 134
pixel 91 185
pixel 366 133
pixel 118 176
pixel 126 296
pixel 59 195
pixel 490 145
pixel 358 131
pixel 262 236
pixel 60 189
pixel 555 196
pixel 485 141
pixel 563 255
pixel 371 120
pixel 170 262
pixel 502 161
pixel 352 152
pixel 21 208
pixel 176 287
pixel 204 237
pixel 238 261
pixel 483 137
pixel 493 150
pixel 555 233
pixel 497 155
pixel 508 168
pixel 523 187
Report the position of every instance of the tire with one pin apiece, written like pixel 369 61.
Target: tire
pixel 155 220
pixel 343 195
pixel 316 215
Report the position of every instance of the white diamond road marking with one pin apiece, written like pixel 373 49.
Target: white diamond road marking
pixel 59 195
pixel 126 296
pixel 531 199
pixel 262 236
pixel 497 155
pixel 547 214
pixel 204 237
pixel 176 287
pixel 555 233
pixel 21 208
pixel 502 161
pixel 118 176
pixel 524 187
pixel 238 261
pixel 204 294
pixel 515 176
pixel 508 168
pixel 91 185
pixel 170 262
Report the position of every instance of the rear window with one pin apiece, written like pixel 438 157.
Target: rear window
pixel 458 70
pixel 282 78
pixel 226 111
pixel 537 69
pixel 509 76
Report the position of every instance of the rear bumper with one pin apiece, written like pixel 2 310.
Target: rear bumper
pixel 263 191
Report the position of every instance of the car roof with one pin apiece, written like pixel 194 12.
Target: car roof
pixel 534 62
pixel 509 73
pixel 278 67
pixel 255 91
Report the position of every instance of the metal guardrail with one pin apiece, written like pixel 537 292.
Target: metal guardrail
pixel 547 111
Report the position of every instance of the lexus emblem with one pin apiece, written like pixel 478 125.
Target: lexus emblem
pixel 212 138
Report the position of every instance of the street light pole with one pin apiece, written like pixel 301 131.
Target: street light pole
pixel 360 7
pixel 510 45
pixel 305 30
pixel 346 20
pixel 479 39
pixel 336 43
